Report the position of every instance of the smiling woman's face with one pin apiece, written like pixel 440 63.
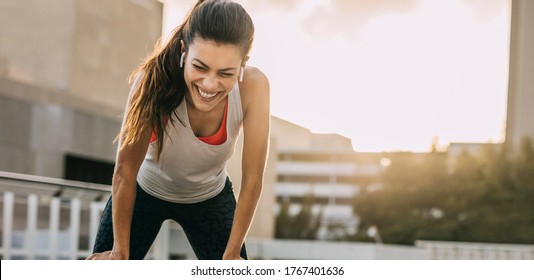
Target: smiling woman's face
pixel 210 72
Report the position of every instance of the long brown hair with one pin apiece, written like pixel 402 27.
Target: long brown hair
pixel 161 86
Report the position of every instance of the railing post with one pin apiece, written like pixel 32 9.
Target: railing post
pixel 74 232
pixel 94 221
pixel 31 227
pixel 9 201
pixel 53 233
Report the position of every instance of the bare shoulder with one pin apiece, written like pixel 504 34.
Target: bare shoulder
pixel 254 88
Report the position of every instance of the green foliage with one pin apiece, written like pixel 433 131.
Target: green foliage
pixel 476 198
pixel 283 220
pixel 304 225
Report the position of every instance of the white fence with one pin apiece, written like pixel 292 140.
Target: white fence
pixel 44 218
pixel 439 250
pixel 47 218
pixel 50 243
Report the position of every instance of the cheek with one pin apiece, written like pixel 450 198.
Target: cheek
pixel 188 80
pixel 229 84
pixel 187 74
pixel 191 75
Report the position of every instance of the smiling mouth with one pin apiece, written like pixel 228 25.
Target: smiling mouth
pixel 205 94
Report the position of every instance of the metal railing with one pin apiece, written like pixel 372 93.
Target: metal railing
pixel 50 218
pixel 32 224
pixel 46 218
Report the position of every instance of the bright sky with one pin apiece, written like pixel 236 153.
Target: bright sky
pixel 389 74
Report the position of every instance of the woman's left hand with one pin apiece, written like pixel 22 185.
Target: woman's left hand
pixel 232 257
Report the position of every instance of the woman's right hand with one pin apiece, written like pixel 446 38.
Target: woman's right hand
pixel 107 255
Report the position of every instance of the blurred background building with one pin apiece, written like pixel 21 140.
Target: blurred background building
pixel 63 82
pixel 520 113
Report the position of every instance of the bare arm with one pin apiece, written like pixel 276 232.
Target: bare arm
pixel 256 123
pixel 123 192
pixel 124 183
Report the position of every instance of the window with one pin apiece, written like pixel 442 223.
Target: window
pixel 89 170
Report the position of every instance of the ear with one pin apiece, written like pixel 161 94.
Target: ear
pixel 182 46
pixel 245 60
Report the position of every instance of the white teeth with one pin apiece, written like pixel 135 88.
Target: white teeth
pixel 205 94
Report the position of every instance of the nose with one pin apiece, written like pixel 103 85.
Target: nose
pixel 210 83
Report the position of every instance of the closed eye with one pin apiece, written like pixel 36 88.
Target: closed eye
pixel 198 67
pixel 227 74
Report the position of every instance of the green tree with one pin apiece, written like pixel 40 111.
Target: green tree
pixel 478 198
pixel 303 225
pixel 408 202
pixel 283 221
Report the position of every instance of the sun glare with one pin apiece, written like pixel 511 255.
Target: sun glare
pixel 393 80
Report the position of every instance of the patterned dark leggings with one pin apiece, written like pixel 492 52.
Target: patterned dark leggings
pixel 206 224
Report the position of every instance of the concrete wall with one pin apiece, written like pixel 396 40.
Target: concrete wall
pixel 36 41
pixel 112 38
pixel 15 155
pixel 64 66
pixel 300 137
pixel 36 135
pixel 84 48
pixel 520 118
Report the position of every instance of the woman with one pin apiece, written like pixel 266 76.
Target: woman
pixel 188 101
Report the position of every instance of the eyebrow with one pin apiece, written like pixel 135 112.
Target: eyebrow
pixel 206 66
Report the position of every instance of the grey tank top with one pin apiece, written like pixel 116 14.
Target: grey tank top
pixel 189 170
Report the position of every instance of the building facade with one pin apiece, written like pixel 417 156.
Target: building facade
pixel 320 167
pixel 64 69
pixel 520 114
